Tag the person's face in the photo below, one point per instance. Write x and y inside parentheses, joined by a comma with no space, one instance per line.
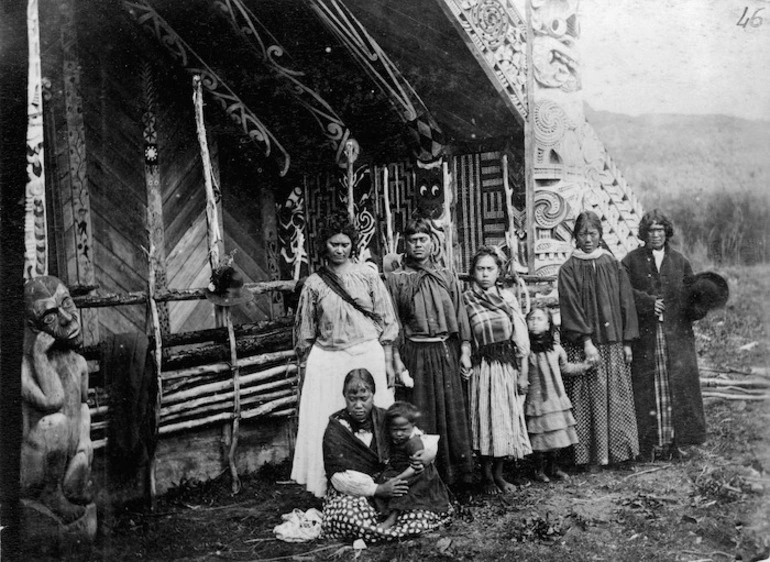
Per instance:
(359,401)
(588,238)
(400,430)
(656,236)
(537,322)
(338,248)
(486,272)
(419,246)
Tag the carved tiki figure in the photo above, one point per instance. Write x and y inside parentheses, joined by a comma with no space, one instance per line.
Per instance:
(56,449)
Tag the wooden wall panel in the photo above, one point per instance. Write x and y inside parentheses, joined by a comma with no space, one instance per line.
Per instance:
(113,131)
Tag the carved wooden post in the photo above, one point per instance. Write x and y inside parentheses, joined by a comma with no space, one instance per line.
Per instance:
(35,224)
(78,209)
(529,149)
(272,251)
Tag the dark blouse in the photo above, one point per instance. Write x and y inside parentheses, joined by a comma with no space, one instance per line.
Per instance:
(596,301)
(428,305)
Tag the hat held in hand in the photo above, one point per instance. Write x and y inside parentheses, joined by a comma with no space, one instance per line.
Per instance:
(707,291)
(226,287)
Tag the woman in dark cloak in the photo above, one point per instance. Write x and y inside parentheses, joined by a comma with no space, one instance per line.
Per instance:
(356,452)
(669,406)
(598,323)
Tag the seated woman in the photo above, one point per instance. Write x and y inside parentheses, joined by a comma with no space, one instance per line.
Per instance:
(355,447)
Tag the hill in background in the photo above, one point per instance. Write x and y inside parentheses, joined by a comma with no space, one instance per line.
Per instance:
(686,153)
(710,173)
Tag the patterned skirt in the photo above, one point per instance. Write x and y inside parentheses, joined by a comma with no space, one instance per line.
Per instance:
(497,412)
(322,396)
(350,517)
(603,405)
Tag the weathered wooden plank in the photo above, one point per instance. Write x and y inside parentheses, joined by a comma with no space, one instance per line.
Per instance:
(124,250)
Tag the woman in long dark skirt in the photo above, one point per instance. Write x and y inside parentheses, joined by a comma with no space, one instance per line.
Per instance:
(434,347)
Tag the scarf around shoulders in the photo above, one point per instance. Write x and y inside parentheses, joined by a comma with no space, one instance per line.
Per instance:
(491,317)
(342,450)
(596,254)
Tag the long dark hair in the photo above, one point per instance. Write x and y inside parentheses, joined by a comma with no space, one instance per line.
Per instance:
(338,223)
(588,218)
(655,216)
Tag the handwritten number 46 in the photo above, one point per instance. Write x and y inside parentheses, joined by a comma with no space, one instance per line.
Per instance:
(754,20)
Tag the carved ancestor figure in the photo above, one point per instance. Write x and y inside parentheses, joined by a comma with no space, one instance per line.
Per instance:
(56,450)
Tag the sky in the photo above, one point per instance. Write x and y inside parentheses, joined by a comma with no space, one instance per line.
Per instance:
(676,56)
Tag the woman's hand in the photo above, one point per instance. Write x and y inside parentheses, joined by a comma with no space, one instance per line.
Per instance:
(592,354)
(660,307)
(392,488)
(629,355)
(391,372)
(466,368)
(523,385)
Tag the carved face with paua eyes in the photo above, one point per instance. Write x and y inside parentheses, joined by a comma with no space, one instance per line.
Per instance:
(429,192)
(49,308)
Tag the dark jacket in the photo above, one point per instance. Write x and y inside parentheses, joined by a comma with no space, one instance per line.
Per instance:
(686,401)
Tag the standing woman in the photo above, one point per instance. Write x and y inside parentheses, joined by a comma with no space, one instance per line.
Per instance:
(344,321)
(499,378)
(669,405)
(435,346)
(598,323)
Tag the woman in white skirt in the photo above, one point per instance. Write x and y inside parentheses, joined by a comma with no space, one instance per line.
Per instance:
(345,321)
(499,377)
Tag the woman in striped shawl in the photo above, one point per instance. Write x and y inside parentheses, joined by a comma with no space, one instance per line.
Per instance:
(499,378)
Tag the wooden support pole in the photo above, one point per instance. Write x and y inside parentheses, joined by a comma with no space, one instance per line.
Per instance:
(215,243)
(448,225)
(390,241)
(529,147)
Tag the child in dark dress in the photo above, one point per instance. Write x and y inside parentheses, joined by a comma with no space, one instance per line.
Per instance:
(426,489)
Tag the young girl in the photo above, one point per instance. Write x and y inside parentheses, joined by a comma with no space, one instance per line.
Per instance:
(426,489)
(499,342)
(598,322)
(548,409)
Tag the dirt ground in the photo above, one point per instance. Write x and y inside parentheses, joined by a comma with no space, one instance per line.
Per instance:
(714,505)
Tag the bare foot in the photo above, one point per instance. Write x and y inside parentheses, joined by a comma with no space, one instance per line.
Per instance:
(541,477)
(389,522)
(558,473)
(504,486)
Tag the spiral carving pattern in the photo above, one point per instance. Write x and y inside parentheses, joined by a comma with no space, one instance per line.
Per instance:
(550,209)
(550,123)
(491,21)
